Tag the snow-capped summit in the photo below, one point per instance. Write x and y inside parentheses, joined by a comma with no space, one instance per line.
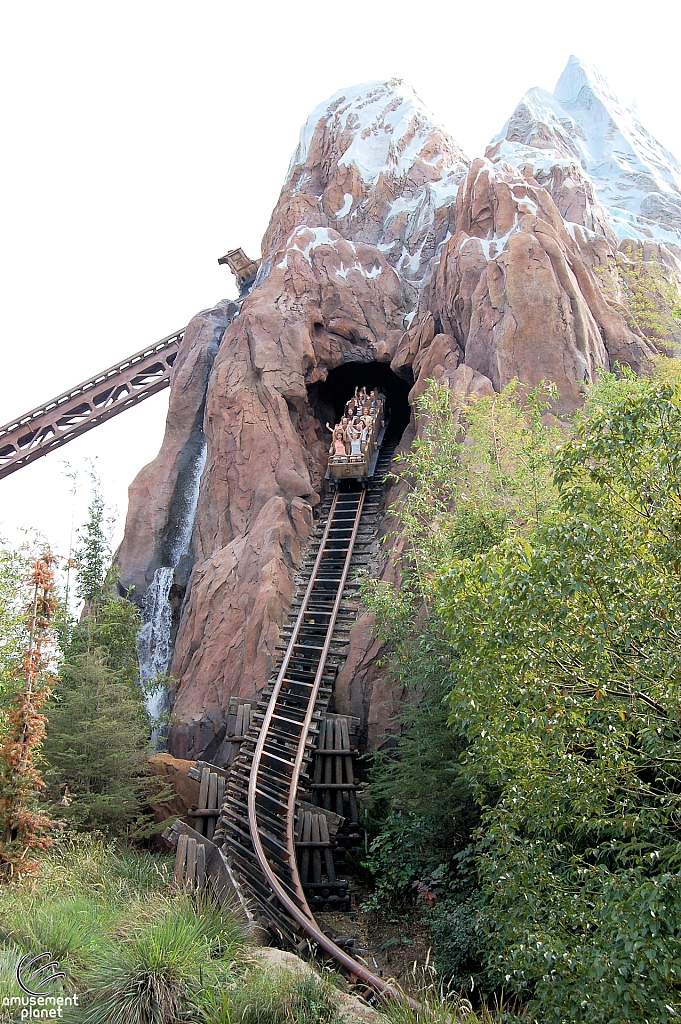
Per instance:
(635,179)
(373,164)
(379,128)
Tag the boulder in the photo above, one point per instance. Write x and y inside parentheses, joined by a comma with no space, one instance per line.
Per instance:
(172,772)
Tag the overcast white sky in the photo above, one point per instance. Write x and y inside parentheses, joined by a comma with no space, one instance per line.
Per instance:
(142,140)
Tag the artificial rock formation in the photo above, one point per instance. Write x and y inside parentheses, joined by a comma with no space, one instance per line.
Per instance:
(386,248)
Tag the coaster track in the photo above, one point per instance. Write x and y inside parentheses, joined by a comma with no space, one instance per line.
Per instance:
(257,829)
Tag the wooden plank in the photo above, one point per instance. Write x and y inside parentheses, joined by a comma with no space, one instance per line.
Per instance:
(221,792)
(316,853)
(180,858)
(211,803)
(190,874)
(328,766)
(318,762)
(212,791)
(350,775)
(328,856)
(203,799)
(200,866)
(305,838)
(339,741)
(203,789)
(344,734)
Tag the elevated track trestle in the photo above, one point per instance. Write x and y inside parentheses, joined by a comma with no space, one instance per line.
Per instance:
(95,400)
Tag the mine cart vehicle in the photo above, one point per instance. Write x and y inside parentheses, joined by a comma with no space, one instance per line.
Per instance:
(359,468)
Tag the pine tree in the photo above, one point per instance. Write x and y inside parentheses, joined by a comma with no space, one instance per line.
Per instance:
(98,737)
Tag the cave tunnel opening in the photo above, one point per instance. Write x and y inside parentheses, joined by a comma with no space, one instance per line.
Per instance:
(328,397)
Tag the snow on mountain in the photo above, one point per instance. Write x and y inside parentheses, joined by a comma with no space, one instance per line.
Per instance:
(373,164)
(379,128)
(584,134)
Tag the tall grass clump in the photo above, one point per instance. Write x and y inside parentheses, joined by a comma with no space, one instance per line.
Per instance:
(134,950)
(438,1005)
(158,964)
(269,995)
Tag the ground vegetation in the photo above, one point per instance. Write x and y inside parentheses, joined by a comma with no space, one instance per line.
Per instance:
(551,649)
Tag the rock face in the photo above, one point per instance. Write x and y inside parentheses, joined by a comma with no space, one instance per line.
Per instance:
(160,496)
(388,258)
(516,295)
(172,775)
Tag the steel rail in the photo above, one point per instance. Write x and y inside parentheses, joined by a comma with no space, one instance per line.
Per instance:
(262,738)
(302,914)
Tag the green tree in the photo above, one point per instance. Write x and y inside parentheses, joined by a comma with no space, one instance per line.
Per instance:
(98,739)
(478,472)
(97,745)
(93,553)
(565,675)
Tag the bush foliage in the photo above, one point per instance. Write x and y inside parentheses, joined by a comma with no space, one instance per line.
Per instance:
(555,643)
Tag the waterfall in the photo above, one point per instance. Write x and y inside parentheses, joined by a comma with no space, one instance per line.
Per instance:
(153,639)
(154,644)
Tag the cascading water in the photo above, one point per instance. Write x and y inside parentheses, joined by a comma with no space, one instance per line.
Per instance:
(154,645)
(153,639)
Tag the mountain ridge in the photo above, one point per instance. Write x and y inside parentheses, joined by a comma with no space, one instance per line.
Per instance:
(635,179)
(388,249)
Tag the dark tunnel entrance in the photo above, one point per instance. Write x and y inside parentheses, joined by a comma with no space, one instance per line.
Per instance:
(328,397)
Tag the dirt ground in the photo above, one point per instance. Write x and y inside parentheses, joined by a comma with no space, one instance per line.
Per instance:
(395,947)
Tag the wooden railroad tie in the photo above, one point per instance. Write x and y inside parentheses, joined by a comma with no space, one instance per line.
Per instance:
(334,783)
(211,796)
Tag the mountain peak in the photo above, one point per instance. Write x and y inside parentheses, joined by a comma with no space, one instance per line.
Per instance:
(372,162)
(581,83)
(382,125)
(636,180)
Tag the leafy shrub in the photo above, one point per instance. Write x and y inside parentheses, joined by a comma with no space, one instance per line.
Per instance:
(459,948)
(401,854)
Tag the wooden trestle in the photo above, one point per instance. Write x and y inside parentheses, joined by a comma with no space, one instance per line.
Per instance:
(290,799)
